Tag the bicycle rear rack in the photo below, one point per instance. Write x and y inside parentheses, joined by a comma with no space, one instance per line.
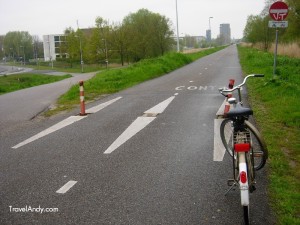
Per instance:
(241,137)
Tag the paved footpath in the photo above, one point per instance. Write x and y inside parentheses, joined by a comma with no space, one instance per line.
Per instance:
(23,105)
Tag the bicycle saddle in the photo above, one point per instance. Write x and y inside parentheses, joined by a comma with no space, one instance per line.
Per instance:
(239,111)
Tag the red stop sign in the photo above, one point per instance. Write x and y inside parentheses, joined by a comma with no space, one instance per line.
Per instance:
(278,11)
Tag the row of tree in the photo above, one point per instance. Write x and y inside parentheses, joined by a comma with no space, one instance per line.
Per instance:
(140,35)
(20,46)
(257,30)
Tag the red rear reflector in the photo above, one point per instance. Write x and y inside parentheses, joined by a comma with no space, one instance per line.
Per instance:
(242,147)
(243,177)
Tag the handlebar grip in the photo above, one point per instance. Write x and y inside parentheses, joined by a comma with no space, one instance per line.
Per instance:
(259,75)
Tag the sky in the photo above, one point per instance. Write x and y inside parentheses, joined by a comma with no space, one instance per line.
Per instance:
(41,17)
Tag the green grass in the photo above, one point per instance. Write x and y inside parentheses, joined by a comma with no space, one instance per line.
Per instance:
(112,81)
(10,83)
(276,105)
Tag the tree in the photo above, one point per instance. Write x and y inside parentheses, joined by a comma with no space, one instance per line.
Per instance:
(72,44)
(38,51)
(18,44)
(2,52)
(141,35)
(149,34)
(257,29)
(99,44)
(120,41)
(293,31)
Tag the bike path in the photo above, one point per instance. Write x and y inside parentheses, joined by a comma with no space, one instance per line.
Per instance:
(163,173)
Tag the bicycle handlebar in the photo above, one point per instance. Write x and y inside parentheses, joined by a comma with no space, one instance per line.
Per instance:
(240,85)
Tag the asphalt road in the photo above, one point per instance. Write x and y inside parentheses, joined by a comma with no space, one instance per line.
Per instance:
(146,158)
(7,70)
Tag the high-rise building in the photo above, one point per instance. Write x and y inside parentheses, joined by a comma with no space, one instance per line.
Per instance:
(208,35)
(225,33)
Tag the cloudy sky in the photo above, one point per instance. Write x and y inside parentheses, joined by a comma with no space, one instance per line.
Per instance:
(41,17)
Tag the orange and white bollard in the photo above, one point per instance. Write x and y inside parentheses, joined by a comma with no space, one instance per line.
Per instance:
(229,95)
(82,104)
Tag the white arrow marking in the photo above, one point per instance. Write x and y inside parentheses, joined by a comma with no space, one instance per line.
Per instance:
(160,107)
(58,126)
(139,124)
(101,106)
(70,120)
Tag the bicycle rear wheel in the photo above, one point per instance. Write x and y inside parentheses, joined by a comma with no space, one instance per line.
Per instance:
(226,132)
(246,215)
(259,149)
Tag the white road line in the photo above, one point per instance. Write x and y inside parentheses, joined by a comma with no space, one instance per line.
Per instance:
(70,120)
(159,108)
(221,109)
(219,149)
(101,106)
(66,187)
(139,124)
(58,126)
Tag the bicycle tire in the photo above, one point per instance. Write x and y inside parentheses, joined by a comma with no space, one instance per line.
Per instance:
(246,215)
(259,149)
(226,131)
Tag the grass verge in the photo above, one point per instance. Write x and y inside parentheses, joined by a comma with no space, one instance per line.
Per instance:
(112,81)
(276,105)
(10,83)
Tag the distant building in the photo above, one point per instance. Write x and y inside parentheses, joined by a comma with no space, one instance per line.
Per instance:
(190,41)
(208,35)
(54,47)
(225,33)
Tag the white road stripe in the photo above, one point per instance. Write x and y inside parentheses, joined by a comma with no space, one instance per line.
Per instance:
(160,107)
(70,120)
(66,187)
(101,106)
(221,109)
(58,126)
(139,124)
(219,149)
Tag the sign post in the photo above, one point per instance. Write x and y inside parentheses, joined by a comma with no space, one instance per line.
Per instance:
(278,12)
